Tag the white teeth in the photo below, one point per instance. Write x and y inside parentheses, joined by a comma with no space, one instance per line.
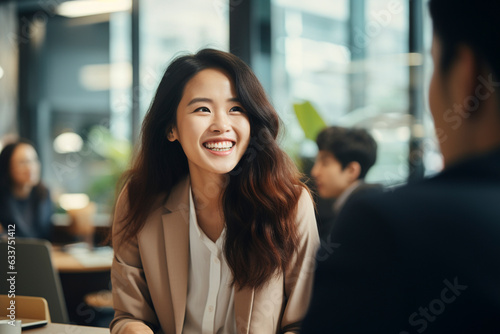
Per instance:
(219,146)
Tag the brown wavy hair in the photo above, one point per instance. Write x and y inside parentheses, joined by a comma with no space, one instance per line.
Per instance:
(260,199)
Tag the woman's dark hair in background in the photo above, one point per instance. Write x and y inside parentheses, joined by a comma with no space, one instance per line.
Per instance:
(454,23)
(5,175)
(260,200)
(348,145)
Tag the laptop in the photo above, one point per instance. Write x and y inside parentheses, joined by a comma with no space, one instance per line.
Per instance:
(28,323)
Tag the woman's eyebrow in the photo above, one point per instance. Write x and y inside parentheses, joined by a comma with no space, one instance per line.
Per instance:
(206,99)
(199,99)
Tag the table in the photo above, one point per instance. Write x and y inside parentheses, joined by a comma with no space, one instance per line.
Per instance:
(82,272)
(81,262)
(53,328)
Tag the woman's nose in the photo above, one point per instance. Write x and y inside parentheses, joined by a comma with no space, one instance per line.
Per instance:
(220,123)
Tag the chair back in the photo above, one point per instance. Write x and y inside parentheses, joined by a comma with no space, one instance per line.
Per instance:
(33,275)
(27,307)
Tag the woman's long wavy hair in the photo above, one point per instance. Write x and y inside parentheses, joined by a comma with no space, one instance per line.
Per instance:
(260,200)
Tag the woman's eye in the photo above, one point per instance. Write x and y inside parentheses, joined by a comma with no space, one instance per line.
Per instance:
(237,109)
(203,109)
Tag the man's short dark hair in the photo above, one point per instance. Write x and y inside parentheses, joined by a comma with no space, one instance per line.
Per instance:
(474,23)
(348,145)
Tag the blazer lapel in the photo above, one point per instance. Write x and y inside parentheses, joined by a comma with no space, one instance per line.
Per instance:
(176,233)
(243,304)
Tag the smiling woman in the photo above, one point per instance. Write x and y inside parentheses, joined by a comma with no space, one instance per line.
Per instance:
(214,232)
(211,124)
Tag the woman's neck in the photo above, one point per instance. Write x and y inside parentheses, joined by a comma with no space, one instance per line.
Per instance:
(21,191)
(207,195)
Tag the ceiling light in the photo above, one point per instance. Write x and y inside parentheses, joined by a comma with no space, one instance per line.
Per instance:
(68,142)
(73,201)
(92,7)
(1,72)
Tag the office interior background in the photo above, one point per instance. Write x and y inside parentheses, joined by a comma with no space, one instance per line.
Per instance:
(77,77)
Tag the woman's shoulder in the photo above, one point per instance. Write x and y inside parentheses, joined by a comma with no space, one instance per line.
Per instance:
(305,199)
(307,227)
(160,200)
(126,196)
(305,214)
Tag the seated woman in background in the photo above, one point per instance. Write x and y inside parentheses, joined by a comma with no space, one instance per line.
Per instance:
(24,200)
(213,232)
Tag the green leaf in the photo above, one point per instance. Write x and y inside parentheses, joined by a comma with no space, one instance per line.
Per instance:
(309,119)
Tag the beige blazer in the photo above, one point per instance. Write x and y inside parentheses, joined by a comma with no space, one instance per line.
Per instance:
(150,275)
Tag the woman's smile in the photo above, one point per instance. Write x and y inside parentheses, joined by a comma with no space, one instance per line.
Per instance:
(220,147)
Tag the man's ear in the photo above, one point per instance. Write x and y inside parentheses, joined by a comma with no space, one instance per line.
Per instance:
(463,75)
(353,170)
(172,134)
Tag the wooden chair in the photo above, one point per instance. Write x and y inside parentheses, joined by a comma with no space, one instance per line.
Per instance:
(27,307)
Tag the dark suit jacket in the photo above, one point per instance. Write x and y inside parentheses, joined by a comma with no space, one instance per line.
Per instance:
(424,258)
(40,224)
(325,224)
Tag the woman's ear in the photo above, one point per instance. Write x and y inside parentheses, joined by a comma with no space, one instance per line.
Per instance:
(172,134)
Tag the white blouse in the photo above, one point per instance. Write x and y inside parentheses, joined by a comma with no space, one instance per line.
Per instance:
(210,299)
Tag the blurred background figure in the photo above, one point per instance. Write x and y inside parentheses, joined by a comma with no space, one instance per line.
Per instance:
(24,200)
(345,156)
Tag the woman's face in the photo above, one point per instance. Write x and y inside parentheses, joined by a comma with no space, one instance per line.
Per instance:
(24,166)
(212,126)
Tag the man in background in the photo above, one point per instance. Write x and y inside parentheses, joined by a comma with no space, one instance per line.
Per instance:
(345,156)
(424,258)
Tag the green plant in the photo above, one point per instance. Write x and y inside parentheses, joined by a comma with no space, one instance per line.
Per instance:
(113,156)
(311,124)
(309,119)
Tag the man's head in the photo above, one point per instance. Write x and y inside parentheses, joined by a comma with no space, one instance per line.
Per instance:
(465,87)
(345,156)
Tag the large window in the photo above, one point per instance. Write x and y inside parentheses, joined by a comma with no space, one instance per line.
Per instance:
(351,60)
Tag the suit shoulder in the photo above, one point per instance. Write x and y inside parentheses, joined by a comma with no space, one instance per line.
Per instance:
(305,213)
(122,206)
